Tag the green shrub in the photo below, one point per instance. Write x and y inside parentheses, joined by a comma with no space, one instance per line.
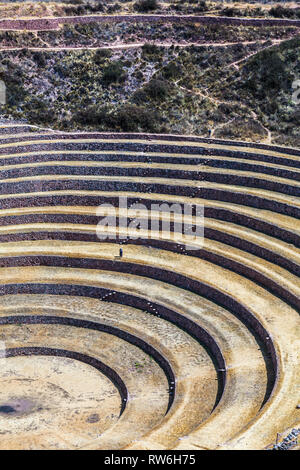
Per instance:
(92,115)
(150,49)
(40,112)
(146,5)
(101,55)
(172,70)
(114,8)
(13,77)
(132,118)
(230,11)
(269,71)
(39,58)
(157,89)
(140,97)
(279,11)
(114,73)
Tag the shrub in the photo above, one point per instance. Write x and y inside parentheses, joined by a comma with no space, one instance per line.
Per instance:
(150,49)
(39,58)
(132,118)
(146,5)
(40,112)
(76,10)
(229,11)
(269,71)
(114,8)
(279,11)
(114,73)
(140,97)
(74,2)
(101,55)
(172,70)
(93,115)
(157,89)
(13,77)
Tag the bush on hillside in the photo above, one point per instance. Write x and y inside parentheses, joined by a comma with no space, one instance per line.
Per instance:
(101,55)
(172,70)
(114,73)
(145,6)
(132,118)
(157,89)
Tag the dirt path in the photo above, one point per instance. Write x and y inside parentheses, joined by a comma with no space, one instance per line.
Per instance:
(244,59)
(130,45)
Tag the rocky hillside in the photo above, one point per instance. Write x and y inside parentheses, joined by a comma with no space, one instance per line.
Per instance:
(242,91)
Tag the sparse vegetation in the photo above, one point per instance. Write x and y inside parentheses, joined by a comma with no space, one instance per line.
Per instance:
(115,7)
(155,88)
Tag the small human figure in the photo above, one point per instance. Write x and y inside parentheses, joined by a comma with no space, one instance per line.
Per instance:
(209,132)
(121,252)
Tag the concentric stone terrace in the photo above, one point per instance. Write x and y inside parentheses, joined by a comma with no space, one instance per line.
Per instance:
(157,346)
